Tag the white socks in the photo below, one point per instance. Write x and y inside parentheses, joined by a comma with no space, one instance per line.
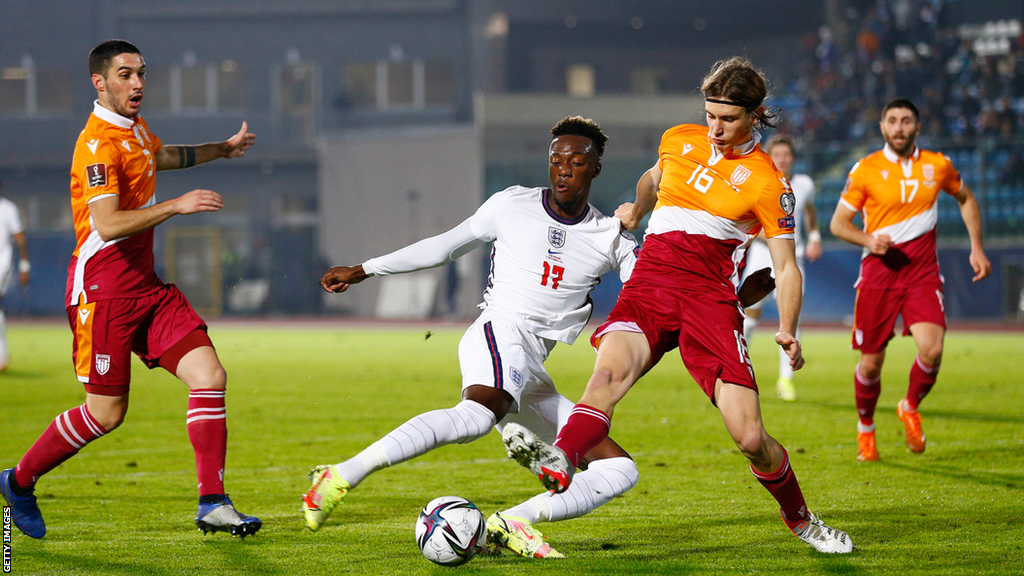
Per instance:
(464,423)
(602,481)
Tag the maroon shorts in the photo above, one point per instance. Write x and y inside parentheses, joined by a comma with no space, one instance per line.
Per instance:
(108,331)
(707,330)
(874,314)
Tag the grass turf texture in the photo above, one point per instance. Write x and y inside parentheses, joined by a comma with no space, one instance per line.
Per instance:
(125,504)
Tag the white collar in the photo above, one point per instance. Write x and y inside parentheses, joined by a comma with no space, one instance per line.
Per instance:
(741,150)
(111,117)
(893,157)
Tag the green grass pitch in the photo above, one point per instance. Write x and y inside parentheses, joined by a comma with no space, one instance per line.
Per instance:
(300,397)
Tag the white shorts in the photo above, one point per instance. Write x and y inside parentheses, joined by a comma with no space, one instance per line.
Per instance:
(497,352)
(759,258)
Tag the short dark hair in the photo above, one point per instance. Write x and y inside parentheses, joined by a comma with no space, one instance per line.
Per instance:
(902,103)
(780,140)
(100,57)
(580,126)
(737,81)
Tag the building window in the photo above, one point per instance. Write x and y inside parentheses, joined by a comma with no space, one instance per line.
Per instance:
(648,81)
(390,85)
(53,91)
(14,89)
(193,88)
(158,88)
(297,85)
(439,83)
(360,81)
(232,91)
(400,84)
(579,80)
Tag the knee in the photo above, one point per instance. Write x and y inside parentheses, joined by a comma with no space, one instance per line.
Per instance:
(752,445)
(931,354)
(870,368)
(109,417)
(215,378)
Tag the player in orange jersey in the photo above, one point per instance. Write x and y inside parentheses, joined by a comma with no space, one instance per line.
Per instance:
(896,190)
(712,191)
(117,305)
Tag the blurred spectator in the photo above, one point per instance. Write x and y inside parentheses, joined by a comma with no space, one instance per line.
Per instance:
(901,50)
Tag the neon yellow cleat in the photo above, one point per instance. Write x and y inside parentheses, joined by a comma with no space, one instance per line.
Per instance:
(519,536)
(327,490)
(785,389)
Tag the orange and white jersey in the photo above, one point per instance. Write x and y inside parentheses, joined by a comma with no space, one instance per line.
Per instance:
(899,197)
(114,157)
(723,196)
(711,205)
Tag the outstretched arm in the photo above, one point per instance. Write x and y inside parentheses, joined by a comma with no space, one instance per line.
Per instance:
(177,157)
(112,223)
(971,214)
(427,253)
(631,213)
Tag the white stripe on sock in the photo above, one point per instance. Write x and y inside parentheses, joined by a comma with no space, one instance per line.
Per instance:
(60,428)
(209,417)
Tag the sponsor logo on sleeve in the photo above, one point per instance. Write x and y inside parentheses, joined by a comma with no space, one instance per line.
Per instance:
(787,222)
(96,174)
(846,186)
(788,202)
(556,237)
(686,149)
(126,145)
(92,144)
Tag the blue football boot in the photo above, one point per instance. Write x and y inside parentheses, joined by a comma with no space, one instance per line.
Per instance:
(222,517)
(24,509)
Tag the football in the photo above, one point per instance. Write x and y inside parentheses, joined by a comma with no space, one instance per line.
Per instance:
(451,530)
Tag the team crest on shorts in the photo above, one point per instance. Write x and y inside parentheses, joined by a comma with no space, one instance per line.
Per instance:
(739,175)
(516,376)
(102,363)
(556,237)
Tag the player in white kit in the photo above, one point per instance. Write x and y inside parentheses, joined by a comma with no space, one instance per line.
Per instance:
(550,249)
(783,153)
(10,227)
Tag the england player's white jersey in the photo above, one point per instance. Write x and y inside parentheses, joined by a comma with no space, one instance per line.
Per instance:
(542,267)
(803,189)
(10,224)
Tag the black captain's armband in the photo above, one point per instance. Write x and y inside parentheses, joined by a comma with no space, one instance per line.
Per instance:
(186,157)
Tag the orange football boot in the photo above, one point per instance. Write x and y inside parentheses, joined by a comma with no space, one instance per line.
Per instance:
(866,449)
(912,424)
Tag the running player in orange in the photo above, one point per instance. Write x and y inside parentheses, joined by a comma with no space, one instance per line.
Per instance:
(117,305)
(712,191)
(896,190)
